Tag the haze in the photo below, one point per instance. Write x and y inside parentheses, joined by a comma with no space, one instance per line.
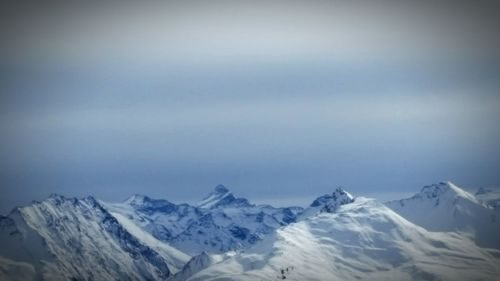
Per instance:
(280,102)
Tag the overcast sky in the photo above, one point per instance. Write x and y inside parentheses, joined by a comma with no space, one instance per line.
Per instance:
(280,101)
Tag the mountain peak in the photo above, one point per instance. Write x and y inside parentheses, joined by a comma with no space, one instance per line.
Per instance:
(436,189)
(221,196)
(220,189)
(193,266)
(444,188)
(56,196)
(137,199)
(330,202)
(58,199)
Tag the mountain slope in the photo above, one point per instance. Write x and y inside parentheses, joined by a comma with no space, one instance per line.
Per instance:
(221,222)
(174,258)
(16,271)
(231,223)
(197,264)
(362,240)
(163,219)
(328,203)
(67,238)
(446,207)
(489,197)
(453,235)
(222,197)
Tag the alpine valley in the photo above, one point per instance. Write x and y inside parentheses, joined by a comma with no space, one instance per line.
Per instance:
(441,233)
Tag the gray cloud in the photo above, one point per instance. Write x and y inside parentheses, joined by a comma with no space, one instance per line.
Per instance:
(275,100)
(196,31)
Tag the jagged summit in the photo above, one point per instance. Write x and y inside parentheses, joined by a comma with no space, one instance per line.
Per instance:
(150,206)
(58,199)
(220,189)
(56,196)
(137,199)
(444,189)
(65,238)
(330,202)
(221,196)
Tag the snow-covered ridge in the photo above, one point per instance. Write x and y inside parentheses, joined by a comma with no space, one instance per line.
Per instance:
(445,189)
(222,197)
(330,202)
(443,232)
(69,238)
(361,240)
(219,223)
(137,199)
(447,207)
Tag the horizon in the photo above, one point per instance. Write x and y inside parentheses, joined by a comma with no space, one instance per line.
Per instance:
(300,201)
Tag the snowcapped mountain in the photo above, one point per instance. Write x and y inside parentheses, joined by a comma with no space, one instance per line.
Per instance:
(78,239)
(441,233)
(194,265)
(328,203)
(359,240)
(163,219)
(446,207)
(198,263)
(219,223)
(222,197)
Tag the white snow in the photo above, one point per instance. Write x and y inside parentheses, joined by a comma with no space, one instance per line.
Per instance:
(175,258)
(64,238)
(446,207)
(441,233)
(328,203)
(16,271)
(363,240)
(220,192)
(222,223)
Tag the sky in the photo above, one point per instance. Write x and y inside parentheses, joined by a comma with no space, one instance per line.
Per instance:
(281,101)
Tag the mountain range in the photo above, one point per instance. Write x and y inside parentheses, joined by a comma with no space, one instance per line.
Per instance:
(441,233)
